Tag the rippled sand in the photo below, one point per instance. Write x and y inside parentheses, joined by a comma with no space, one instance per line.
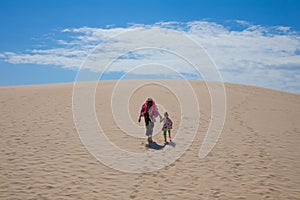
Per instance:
(256,157)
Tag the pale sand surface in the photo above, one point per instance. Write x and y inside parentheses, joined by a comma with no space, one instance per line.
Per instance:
(256,157)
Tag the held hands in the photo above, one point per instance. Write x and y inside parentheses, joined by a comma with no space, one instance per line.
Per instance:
(160,118)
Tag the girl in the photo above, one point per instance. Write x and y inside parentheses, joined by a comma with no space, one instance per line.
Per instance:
(167,126)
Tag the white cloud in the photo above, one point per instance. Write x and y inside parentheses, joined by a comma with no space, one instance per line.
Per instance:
(43,59)
(250,54)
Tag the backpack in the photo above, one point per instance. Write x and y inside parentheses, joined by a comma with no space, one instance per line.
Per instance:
(148,107)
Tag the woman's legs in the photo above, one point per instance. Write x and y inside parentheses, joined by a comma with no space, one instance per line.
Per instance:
(149,131)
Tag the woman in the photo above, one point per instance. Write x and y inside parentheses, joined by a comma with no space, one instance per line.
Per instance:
(149,111)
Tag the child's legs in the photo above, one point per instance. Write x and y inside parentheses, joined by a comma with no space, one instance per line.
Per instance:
(165,134)
(169,133)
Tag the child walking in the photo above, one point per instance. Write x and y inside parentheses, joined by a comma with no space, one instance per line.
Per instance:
(167,126)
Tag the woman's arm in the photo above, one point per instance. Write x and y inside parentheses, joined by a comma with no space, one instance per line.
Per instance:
(142,112)
(139,120)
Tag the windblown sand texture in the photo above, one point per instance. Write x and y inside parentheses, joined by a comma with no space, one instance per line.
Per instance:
(256,157)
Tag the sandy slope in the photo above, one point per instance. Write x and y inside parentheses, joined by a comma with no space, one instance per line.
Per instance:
(256,157)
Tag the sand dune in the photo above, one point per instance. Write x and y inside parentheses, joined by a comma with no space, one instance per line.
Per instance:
(256,157)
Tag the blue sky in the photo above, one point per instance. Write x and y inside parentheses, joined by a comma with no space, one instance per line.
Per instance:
(27,27)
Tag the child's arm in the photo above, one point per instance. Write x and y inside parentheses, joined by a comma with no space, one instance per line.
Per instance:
(161,119)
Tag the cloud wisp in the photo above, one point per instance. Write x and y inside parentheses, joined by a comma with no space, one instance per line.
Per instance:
(244,53)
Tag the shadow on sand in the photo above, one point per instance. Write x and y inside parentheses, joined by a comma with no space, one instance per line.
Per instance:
(172,144)
(154,145)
